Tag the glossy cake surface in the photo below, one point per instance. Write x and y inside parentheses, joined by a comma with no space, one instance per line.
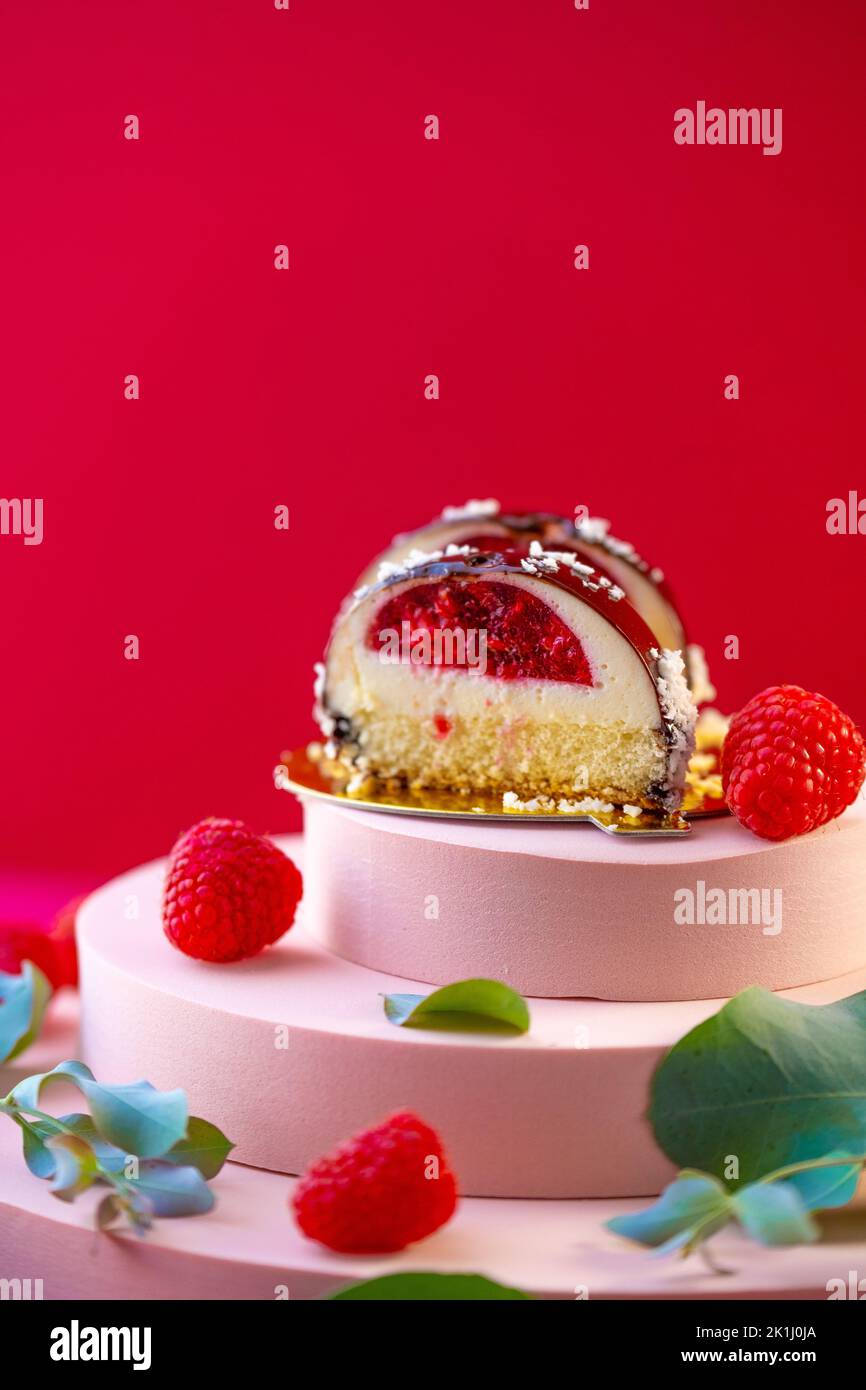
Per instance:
(528,676)
(485,526)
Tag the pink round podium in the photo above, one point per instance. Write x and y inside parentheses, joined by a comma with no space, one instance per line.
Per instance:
(563,911)
(249,1247)
(291,1052)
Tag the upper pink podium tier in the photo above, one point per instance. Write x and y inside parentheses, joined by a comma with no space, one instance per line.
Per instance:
(567,911)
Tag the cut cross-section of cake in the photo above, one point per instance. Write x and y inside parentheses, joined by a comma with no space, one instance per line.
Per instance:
(529,676)
(484,525)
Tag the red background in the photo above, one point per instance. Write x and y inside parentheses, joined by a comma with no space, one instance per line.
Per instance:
(305,387)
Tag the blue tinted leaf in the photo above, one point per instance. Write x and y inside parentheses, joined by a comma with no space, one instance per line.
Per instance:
(774,1214)
(23,999)
(135,1117)
(37,1155)
(694,1201)
(821,1188)
(173,1191)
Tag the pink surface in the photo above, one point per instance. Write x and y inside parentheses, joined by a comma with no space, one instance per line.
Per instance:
(290,1053)
(248,1247)
(305,388)
(568,911)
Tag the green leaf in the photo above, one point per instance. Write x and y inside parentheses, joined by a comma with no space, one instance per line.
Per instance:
(430,1287)
(768,1080)
(204,1146)
(136,1117)
(75,1167)
(171,1190)
(466,1006)
(23,999)
(774,1214)
(690,1209)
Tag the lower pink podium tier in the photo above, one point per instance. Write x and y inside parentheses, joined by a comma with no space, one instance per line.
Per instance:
(567,911)
(290,1052)
(248,1246)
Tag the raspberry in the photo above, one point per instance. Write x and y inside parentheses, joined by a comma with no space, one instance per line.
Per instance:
(228,893)
(380,1191)
(51,948)
(791,761)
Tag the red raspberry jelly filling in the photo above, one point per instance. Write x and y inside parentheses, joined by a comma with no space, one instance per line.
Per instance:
(523,638)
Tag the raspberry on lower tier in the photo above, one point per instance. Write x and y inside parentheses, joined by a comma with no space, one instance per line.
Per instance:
(380,1191)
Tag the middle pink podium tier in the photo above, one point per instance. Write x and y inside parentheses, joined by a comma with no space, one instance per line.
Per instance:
(291,1052)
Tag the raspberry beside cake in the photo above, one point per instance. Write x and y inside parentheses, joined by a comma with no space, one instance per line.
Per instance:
(531,675)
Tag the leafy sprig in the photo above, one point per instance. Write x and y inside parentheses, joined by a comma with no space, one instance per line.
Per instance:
(140,1143)
(780,1086)
(773,1210)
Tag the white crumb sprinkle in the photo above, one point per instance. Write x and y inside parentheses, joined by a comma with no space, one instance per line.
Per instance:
(543,561)
(676,699)
(615,593)
(359,784)
(541,564)
(324,720)
(632,810)
(593,529)
(570,560)
(586,805)
(512,802)
(488,506)
(679,712)
(391,569)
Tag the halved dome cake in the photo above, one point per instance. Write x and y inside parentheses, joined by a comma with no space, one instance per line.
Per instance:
(485,526)
(529,676)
